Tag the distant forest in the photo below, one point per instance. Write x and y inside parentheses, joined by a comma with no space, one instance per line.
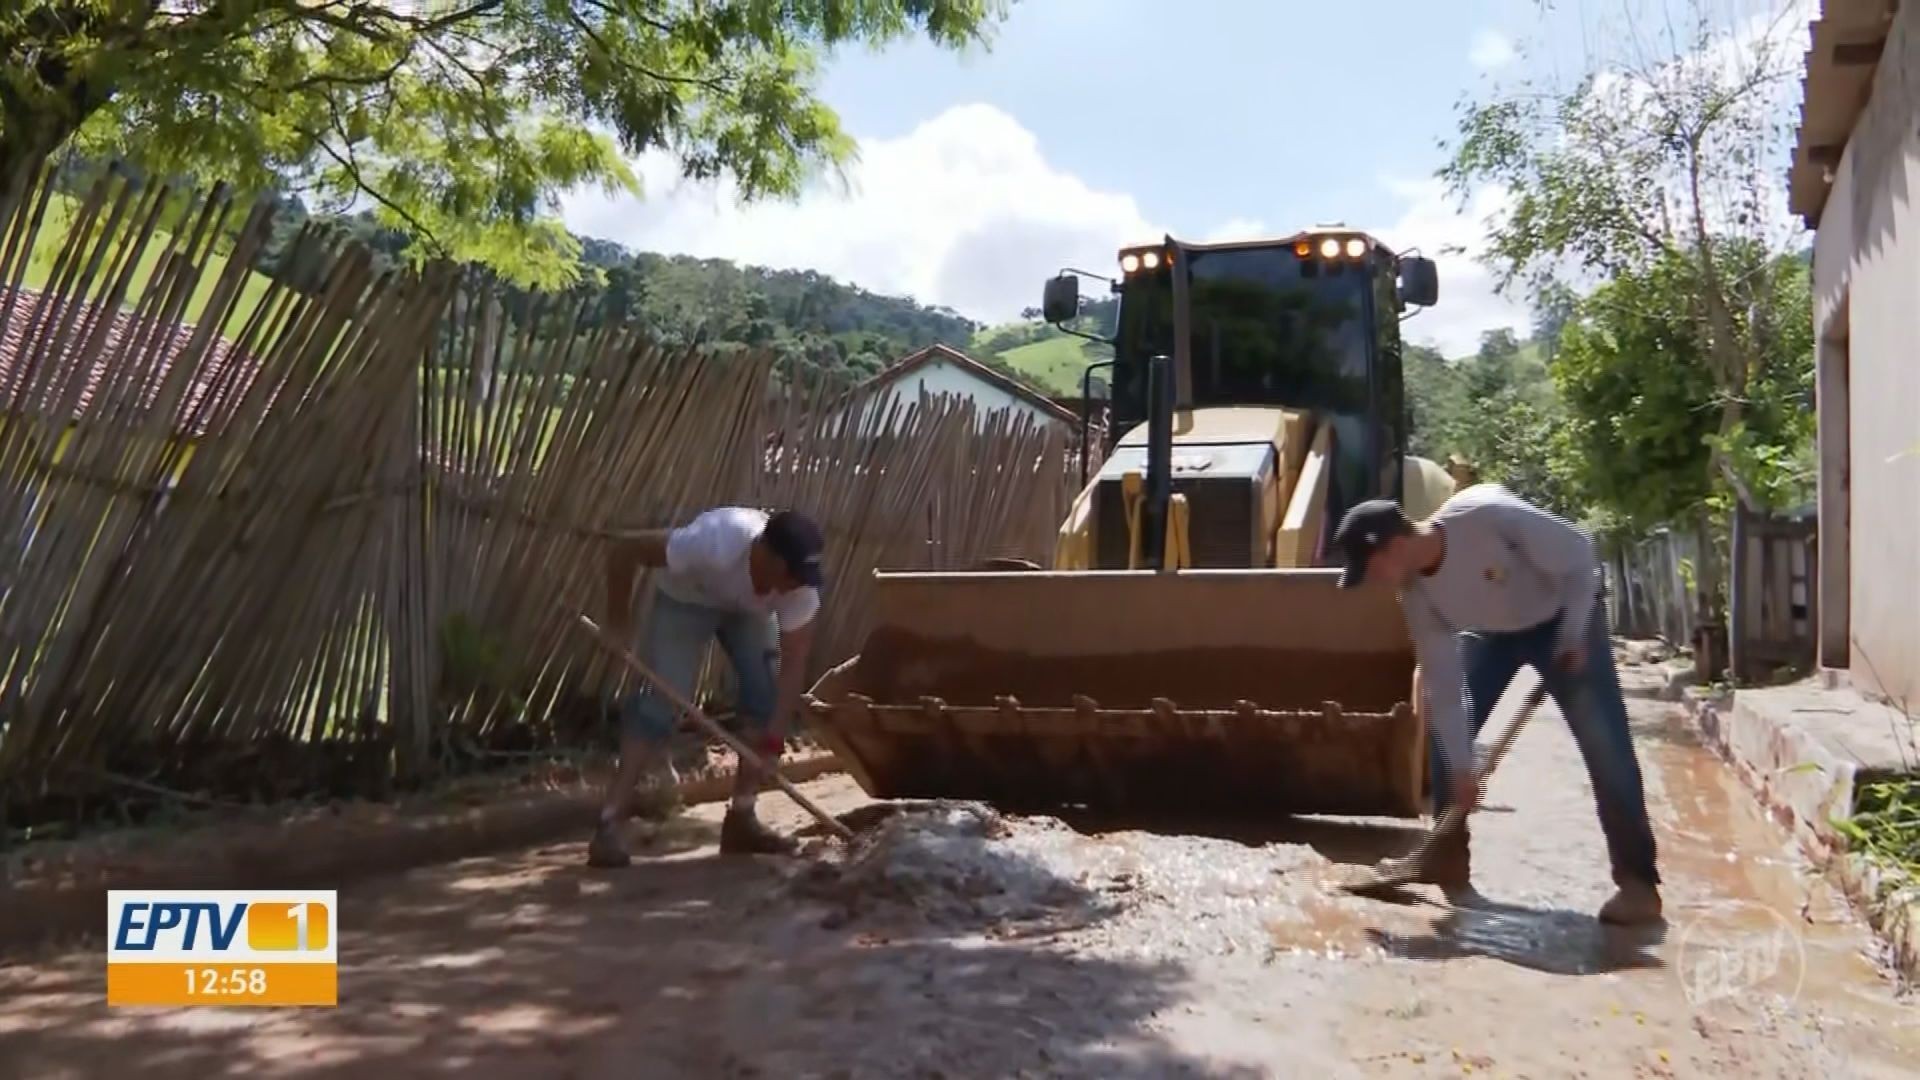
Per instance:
(829,328)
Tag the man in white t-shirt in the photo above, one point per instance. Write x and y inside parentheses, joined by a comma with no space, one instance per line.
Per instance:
(750,580)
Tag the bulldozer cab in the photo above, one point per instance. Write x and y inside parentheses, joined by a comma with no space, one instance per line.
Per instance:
(1308,322)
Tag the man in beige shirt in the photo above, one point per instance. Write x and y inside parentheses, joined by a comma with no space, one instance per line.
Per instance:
(1488,583)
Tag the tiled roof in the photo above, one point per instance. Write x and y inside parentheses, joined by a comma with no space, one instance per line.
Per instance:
(1846,41)
(37,357)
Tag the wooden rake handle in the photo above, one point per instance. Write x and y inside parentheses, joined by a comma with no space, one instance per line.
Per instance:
(745,753)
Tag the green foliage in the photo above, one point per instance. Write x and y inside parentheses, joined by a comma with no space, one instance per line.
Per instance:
(1639,388)
(824,325)
(1772,446)
(1637,391)
(458,122)
(1886,823)
(1498,410)
(1436,402)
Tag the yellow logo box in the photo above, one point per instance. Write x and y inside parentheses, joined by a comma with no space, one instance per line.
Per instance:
(222,947)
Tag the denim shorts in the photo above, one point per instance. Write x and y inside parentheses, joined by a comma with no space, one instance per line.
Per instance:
(673,645)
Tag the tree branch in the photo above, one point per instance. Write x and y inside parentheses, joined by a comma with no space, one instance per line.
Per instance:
(350,161)
(719,85)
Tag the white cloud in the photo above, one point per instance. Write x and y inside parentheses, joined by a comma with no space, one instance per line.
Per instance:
(1454,239)
(964,211)
(1492,50)
(1239,228)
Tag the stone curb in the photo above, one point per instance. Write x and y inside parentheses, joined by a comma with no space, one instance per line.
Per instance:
(1805,785)
(1668,681)
(325,850)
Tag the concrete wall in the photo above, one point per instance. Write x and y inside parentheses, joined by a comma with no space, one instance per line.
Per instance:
(937,377)
(1866,269)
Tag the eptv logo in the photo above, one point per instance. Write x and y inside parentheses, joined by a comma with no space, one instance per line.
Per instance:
(222,947)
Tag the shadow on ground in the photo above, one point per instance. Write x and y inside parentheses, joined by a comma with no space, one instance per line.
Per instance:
(685,964)
(1554,941)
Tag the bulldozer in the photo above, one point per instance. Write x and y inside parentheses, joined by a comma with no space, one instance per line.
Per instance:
(1189,647)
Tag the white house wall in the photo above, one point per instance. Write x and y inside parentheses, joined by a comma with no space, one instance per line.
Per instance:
(1866,272)
(942,377)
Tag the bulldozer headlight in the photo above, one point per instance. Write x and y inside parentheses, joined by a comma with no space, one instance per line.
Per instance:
(1356,247)
(1330,248)
(1129,263)
(1149,259)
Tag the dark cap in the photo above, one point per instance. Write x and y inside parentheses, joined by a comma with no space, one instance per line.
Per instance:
(796,539)
(1361,533)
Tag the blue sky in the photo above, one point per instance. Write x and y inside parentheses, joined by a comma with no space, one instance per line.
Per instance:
(1211,110)
(1089,124)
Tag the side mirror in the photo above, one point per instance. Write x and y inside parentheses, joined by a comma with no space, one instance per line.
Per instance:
(1419,281)
(1060,302)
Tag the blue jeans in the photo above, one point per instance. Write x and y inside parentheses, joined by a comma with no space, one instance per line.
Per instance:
(675,642)
(1596,714)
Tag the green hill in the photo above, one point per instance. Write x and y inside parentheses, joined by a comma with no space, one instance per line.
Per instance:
(1042,355)
(829,327)
(1054,365)
(52,237)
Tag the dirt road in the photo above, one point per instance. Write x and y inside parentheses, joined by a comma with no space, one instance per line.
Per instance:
(1114,949)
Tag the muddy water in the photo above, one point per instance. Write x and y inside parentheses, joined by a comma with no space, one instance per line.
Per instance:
(1761,969)
(956,946)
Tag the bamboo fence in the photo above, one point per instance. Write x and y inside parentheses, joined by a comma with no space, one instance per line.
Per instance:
(344,536)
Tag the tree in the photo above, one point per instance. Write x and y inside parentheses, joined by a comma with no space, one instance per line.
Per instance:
(1658,163)
(1436,402)
(1635,384)
(1553,308)
(1515,440)
(458,121)
(1498,409)
(1638,391)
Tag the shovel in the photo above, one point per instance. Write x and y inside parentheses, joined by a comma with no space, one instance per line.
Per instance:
(746,755)
(1373,880)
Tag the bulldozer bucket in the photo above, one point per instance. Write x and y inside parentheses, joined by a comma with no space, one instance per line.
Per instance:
(1254,690)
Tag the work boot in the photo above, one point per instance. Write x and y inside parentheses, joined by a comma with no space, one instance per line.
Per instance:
(741,833)
(1634,903)
(606,851)
(1448,863)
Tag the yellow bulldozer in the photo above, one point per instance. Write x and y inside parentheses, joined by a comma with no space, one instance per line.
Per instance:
(1189,647)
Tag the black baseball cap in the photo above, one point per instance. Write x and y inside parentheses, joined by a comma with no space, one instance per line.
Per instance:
(1362,531)
(797,540)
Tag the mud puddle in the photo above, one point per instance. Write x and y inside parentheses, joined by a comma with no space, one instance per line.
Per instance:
(1751,916)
